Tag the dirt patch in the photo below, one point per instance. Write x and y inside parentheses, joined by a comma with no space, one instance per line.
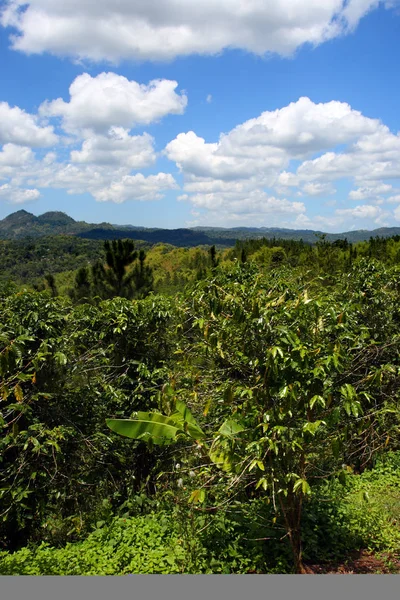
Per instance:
(357,563)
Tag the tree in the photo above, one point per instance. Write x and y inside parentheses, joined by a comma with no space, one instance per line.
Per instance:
(213,258)
(51,282)
(142,277)
(81,292)
(114,278)
(305,389)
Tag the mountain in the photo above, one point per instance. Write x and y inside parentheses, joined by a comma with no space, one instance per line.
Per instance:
(55,219)
(15,224)
(175,237)
(22,224)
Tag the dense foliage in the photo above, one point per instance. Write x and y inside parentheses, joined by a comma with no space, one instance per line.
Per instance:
(287,356)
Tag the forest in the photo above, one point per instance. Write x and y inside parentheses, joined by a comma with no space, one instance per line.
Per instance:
(205,409)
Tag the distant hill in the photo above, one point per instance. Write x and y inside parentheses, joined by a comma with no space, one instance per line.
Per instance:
(175,237)
(23,224)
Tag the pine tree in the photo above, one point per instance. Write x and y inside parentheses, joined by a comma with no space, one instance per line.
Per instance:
(142,277)
(51,282)
(113,279)
(82,290)
(213,258)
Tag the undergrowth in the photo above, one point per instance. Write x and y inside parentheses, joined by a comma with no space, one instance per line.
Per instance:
(361,512)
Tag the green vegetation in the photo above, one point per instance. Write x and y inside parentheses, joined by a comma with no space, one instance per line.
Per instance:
(112,278)
(340,518)
(22,224)
(200,410)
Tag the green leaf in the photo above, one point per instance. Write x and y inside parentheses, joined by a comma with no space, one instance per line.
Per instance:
(147,426)
(60,358)
(223,457)
(312,427)
(197,496)
(230,428)
(303,484)
(184,417)
(317,400)
(18,393)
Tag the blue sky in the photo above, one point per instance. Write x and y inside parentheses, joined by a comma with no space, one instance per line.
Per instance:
(174,113)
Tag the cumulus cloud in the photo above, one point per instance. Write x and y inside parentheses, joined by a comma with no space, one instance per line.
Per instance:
(258,207)
(252,163)
(372,191)
(165,29)
(103,182)
(262,172)
(117,148)
(304,127)
(267,143)
(19,127)
(105,156)
(137,187)
(364,211)
(318,189)
(12,155)
(15,195)
(111,100)
(14,160)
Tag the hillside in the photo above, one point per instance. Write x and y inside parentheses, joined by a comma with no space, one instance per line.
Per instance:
(22,224)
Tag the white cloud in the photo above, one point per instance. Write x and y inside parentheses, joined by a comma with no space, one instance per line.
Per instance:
(117,148)
(251,162)
(111,100)
(209,99)
(103,182)
(164,29)
(224,160)
(364,211)
(330,223)
(12,155)
(13,160)
(267,143)
(15,195)
(318,189)
(104,156)
(396,213)
(19,127)
(137,187)
(255,174)
(257,209)
(370,192)
(304,127)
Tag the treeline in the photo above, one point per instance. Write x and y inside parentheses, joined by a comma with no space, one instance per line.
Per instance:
(27,261)
(31,262)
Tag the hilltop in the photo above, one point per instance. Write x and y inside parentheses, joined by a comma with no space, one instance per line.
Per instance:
(22,224)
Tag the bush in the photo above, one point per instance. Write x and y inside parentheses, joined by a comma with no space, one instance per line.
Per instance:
(362,513)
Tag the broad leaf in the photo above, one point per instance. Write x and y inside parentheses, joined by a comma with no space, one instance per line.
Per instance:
(230,428)
(184,418)
(159,428)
